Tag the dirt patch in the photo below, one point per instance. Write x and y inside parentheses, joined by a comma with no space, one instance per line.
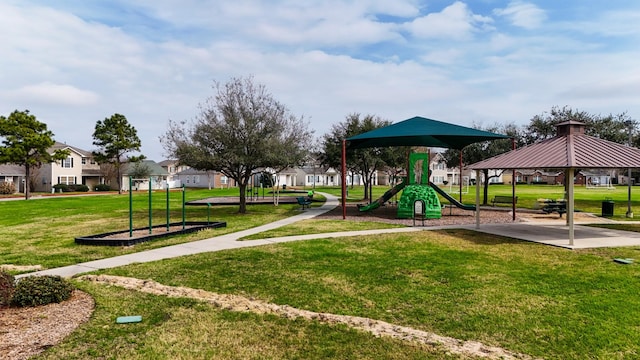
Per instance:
(375,327)
(11,267)
(28,331)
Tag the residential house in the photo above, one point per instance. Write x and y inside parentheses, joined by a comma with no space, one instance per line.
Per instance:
(157,178)
(14,174)
(193,178)
(173,168)
(538,176)
(78,168)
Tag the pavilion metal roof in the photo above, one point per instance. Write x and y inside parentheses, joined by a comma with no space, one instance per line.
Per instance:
(571,150)
(420,131)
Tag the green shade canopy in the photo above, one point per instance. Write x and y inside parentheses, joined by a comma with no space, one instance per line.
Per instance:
(419,131)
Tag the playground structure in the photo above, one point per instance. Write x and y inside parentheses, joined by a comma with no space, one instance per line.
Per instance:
(119,238)
(417,187)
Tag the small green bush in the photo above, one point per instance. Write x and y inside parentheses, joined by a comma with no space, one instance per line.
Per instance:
(41,290)
(103,187)
(7,188)
(7,287)
(63,187)
(78,187)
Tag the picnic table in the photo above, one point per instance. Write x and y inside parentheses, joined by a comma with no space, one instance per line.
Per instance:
(551,206)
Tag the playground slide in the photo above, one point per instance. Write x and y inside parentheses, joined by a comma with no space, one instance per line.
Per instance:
(451,199)
(384,198)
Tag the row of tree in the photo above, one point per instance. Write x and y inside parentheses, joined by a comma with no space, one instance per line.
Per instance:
(243,130)
(28,143)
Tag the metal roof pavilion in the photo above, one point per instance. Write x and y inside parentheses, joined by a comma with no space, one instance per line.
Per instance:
(420,131)
(570,149)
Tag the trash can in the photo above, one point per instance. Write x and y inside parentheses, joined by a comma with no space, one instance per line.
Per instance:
(284,187)
(607,208)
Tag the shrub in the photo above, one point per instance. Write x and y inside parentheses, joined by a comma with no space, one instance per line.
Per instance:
(78,187)
(7,286)
(103,187)
(41,290)
(63,187)
(7,188)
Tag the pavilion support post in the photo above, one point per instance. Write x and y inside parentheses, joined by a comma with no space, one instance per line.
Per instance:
(477,199)
(513,185)
(344,179)
(570,200)
(460,176)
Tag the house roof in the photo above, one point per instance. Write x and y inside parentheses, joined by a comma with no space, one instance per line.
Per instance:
(167,162)
(11,170)
(153,166)
(192,171)
(60,146)
(419,131)
(571,148)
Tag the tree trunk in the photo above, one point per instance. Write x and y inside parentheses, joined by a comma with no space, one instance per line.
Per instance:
(485,194)
(27,173)
(119,178)
(242,186)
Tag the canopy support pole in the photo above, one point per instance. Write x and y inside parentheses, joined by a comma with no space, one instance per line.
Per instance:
(344,179)
(569,179)
(477,199)
(513,185)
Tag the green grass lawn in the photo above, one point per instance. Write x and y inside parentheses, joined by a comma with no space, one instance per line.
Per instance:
(42,232)
(528,298)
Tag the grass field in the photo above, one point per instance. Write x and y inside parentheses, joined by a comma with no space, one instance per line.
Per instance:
(537,300)
(532,299)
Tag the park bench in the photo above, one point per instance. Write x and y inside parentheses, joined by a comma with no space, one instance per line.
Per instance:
(303,201)
(502,199)
(555,206)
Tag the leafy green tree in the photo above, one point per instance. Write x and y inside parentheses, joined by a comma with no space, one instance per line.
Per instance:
(364,162)
(115,137)
(139,170)
(484,150)
(26,142)
(610,127)
(241,130)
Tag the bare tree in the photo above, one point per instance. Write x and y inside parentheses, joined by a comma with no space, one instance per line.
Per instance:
(241,129)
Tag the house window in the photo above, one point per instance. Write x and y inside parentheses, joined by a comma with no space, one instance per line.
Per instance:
(67,163)
(92,162)
(188,179)
(67,180)
(196,179)
(438,179)
(310,179)
(84,161)
(224,180)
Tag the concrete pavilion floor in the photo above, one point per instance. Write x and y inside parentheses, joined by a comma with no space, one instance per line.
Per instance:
(556,233)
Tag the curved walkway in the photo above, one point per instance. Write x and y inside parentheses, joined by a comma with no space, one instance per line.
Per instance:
(222,242)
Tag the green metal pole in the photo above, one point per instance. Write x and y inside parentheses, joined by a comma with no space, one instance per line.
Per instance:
(167,206)
(150,222)
(183,211)
(130,209)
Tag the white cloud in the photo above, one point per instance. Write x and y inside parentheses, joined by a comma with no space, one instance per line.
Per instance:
(53,94)
(323,59)
(523,14)
(455,22)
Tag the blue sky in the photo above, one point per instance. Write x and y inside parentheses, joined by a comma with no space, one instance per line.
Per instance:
(479,62)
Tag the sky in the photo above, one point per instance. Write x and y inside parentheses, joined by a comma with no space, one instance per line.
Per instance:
(471,63)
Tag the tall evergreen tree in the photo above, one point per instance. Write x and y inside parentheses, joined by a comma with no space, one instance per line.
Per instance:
(26,142)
